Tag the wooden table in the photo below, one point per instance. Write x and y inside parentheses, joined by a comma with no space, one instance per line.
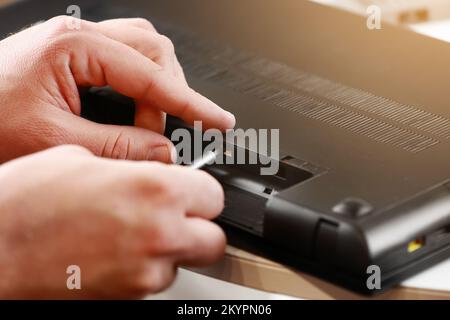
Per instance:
(249,270)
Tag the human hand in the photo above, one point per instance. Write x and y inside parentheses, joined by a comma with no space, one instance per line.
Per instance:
(127,225)
(43,68)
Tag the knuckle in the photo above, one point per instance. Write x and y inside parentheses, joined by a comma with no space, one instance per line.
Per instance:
(143,23)
(59,25)
(153,184)
(118,147)
(163,179)
(61,33)
(61,40)
(169,192)
(166,43)
(165,239)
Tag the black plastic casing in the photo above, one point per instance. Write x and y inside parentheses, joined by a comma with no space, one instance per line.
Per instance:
(365,113)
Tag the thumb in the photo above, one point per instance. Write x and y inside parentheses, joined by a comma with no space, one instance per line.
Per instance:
(121,142)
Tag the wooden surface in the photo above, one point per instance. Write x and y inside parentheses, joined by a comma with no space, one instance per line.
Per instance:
(243,268)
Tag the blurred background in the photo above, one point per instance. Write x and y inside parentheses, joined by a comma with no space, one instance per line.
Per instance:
(429,17)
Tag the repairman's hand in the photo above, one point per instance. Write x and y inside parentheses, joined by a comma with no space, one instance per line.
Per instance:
(126,225)
(43,68)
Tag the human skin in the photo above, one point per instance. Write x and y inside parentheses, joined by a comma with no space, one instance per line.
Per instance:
(127,224)
(43,68)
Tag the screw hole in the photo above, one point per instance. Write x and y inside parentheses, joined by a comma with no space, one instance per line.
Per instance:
(353,207)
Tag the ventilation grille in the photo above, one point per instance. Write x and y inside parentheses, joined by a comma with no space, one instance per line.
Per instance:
(308,95)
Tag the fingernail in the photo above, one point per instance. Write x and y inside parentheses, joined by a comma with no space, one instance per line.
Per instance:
(173,155)
(231,119)
(163,154)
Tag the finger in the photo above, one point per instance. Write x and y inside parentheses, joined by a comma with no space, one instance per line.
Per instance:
(150,118)
(186,191)
(146,116)
(118,142)
(148,26)
(151,44)
(204,243)
(142,36)
(136,22)
(132,74)
(180,70)
(157,275)
(198,193)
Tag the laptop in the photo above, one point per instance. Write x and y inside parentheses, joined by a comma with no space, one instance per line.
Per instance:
(364,119)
